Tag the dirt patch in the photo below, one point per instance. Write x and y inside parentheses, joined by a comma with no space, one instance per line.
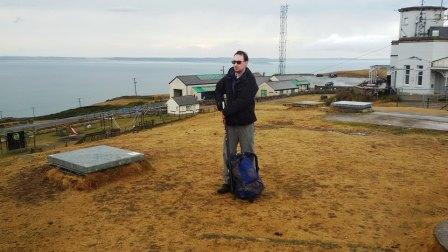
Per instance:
(297,185)
(276,124)
(94,180)
(31,186)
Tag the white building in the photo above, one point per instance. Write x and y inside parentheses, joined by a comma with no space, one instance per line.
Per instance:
(419,58)
(200,86)
(182,105)
(273,88)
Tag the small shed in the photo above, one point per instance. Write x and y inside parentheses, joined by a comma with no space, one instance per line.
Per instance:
(273,88)
(182,105)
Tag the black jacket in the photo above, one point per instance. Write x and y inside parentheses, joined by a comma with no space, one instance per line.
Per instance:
(240,94)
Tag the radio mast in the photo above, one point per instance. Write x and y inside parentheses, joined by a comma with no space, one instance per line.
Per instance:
(283,36)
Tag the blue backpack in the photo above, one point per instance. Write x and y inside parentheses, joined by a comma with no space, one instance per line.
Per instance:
(245,181)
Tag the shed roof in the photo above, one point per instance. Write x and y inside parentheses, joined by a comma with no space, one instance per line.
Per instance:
(203,89)
(185,100)
(261,79)
(282,85)
(203,79)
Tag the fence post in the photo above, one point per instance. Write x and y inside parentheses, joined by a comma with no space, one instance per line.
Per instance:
(34,138)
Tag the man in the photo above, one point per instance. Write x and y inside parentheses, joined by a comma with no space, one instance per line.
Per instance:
(240,88)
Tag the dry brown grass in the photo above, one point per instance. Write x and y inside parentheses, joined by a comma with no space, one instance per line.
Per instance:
(125,101)
(330,186)
(364,73)
(94,180)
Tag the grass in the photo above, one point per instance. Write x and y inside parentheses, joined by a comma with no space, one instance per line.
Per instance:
(364,73)
(327,188)
(112,104)
(52,139)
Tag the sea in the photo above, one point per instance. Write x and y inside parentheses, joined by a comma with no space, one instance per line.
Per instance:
(46,85)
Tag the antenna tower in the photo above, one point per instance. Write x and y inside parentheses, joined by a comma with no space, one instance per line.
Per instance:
(283,35)
(421,23)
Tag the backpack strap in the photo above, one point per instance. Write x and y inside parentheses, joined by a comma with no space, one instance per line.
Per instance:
(255,159)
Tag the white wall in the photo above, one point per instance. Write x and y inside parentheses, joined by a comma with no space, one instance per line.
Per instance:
(174,109)
(428,52)
(407,28)
(265,86)
(177,84)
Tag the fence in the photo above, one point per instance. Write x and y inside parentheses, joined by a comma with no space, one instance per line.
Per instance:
(93,130)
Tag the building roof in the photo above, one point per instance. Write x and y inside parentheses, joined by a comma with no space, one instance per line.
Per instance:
(282,85)
(422,39)
(440,64)
(203,89)
(262,79)
(203,79)
(420,8)
(185,100)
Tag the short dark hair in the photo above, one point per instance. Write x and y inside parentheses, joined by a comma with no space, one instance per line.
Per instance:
(242,53)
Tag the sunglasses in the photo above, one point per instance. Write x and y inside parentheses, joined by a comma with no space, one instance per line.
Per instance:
(237,62)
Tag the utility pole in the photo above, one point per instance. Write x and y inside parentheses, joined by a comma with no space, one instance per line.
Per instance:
(135,86)
(1,115)
(79,101)
(222,70)
(34,115)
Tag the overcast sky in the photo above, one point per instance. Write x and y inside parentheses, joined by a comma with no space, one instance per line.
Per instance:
(197,28)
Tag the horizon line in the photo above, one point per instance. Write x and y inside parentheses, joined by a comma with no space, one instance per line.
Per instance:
(177,57)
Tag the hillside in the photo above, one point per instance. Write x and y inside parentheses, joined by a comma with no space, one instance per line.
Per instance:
(329,186)
(360,73)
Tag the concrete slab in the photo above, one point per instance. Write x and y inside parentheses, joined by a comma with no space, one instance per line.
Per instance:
(94,159)
(395,119)
(441,233)
(352,105)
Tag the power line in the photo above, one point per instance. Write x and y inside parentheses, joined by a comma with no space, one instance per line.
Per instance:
(351,59)
(79,101)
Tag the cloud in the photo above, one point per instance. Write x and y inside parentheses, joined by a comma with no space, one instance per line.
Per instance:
(141,28)
(124,9)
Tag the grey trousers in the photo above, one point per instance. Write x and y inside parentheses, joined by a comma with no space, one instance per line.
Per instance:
(244,135)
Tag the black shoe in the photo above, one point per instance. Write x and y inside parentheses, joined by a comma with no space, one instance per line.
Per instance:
(225,188)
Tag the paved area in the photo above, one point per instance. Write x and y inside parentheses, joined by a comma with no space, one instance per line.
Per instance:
(395,119)
(441,233)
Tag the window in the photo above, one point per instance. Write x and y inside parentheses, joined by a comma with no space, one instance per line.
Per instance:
(435,33)
(407,74)
(405,21)
(420,75)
